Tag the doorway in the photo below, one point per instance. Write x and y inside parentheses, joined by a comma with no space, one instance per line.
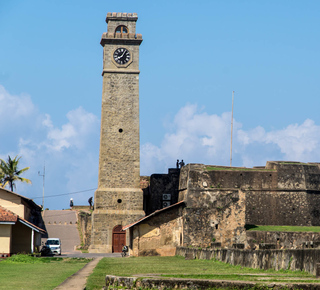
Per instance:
(118,239)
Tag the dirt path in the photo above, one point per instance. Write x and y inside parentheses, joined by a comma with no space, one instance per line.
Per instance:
(78,280)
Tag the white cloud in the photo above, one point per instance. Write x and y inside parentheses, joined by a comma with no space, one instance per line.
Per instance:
(198,137)
(70,152)
(15,107)
(295,142)
(72,134)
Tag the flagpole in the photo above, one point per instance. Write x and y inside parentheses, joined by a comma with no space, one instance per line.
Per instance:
(231,130)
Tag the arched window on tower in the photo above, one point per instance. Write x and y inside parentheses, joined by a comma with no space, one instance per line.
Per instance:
(122,30)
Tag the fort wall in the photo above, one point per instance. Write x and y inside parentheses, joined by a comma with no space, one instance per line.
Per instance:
(295,208)
(295,260)
(284,240)
(280,193)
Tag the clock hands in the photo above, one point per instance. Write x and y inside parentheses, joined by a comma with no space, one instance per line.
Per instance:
(121,56)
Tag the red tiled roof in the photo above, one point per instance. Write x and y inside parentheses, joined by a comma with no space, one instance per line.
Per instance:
(7,215)
(152,214)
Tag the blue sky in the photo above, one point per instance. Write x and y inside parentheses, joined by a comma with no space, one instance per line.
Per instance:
(193,55)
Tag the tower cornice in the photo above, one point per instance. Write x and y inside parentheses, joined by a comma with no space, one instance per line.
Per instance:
(119,71)
(110,38)
(121,16)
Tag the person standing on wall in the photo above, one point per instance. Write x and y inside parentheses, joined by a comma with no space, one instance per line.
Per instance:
(90,201)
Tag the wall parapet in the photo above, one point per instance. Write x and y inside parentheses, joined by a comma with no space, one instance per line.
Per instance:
(115,282)
(286,259)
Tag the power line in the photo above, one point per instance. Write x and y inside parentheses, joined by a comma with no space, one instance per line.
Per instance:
(64,193)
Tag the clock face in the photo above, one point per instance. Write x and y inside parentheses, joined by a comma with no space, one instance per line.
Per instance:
(121,55)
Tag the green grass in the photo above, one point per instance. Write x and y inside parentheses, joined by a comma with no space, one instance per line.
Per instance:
(178,267)
(282,228)
(214,168)
(26,272)
(297,163)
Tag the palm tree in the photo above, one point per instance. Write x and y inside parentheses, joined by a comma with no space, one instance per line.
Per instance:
(9,171)
(2,183)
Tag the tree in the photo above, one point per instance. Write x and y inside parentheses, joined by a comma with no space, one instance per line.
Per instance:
(2,183)
(10,172)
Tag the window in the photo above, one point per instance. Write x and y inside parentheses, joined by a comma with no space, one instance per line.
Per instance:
(122,29)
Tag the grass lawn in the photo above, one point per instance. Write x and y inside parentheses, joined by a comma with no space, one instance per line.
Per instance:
(282,228)
(26,272)
(178,267)
(221,168)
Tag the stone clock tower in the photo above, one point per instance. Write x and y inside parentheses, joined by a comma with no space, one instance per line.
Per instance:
(118,200)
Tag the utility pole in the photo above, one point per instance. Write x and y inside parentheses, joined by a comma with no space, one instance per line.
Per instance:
(231,130)
(43,178)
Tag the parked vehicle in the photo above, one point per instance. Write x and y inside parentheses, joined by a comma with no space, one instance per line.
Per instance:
(45,251)
(54,244)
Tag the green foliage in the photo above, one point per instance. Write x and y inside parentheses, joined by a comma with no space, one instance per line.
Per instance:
(290,261)
(22,258)
(214,168)
(10,172)
(297,163)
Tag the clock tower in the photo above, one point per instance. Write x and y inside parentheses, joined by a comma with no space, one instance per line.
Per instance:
(118,200)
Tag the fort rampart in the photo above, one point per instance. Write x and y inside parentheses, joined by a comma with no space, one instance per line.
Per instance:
(301,260)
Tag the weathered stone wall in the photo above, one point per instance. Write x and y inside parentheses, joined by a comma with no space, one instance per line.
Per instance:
(301,260)
(119,161)
(116,282)
(280,193)
(296,208)
(159,235)
(225,177)
(284,240)
(294,198)
(214,216)
(296,176)
(85,228)
(211,214)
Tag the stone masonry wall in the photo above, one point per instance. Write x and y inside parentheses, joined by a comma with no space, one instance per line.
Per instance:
(295,208)
(214,216)
(85,226)
(281,193)
(284,240)
(119,163)
(160,234)
(301,260)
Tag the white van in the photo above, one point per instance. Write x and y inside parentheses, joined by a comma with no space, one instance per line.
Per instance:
(55,245)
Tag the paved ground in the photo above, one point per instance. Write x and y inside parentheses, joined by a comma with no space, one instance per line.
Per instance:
(63,224)
(78,280)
